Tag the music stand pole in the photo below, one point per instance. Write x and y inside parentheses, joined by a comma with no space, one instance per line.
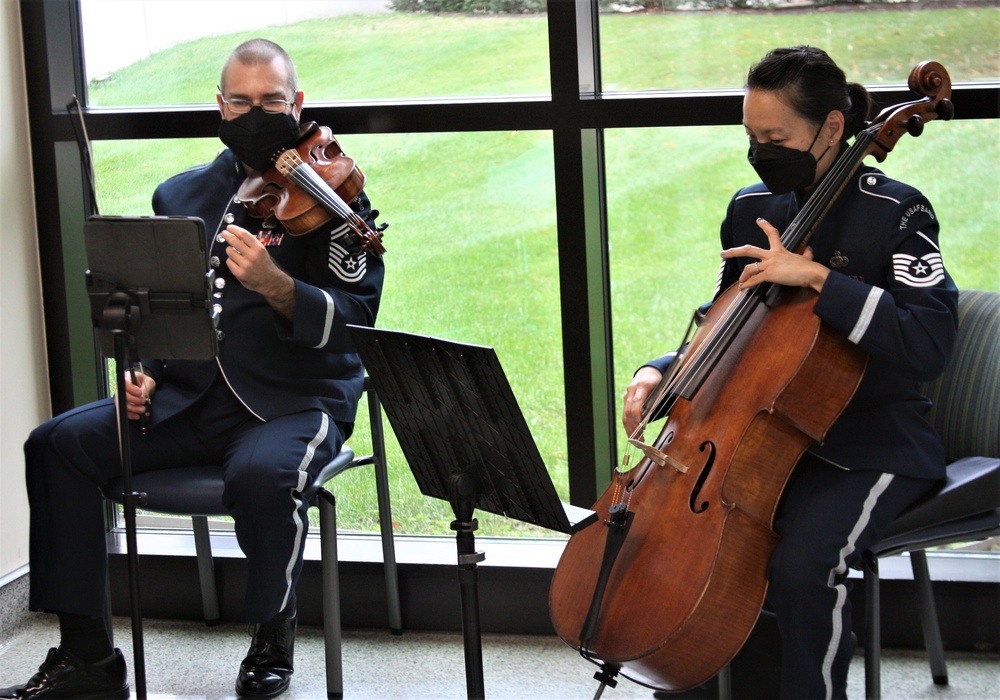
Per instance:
(117,319)
(463,495)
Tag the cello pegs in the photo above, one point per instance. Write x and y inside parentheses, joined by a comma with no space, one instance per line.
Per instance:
(946,109)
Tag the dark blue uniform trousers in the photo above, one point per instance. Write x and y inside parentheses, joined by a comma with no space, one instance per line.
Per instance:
(269,468)
(827,518)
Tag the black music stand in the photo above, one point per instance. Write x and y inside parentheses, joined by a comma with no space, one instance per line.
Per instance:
(467,443)
(150,296)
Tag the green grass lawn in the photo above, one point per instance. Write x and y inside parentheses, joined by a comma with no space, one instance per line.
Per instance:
(472,242)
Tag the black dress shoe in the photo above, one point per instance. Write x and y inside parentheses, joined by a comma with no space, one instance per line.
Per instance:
(62,675)
(267,669)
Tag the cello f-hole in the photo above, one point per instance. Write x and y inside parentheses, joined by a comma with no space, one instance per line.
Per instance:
(640,472)
(702,477)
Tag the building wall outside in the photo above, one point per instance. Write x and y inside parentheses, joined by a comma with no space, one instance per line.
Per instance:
(117,34)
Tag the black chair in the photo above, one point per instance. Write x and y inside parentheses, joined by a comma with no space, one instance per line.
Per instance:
(197,492)
(967,508)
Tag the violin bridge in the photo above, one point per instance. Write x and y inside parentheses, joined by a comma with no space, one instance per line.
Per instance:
(658,457)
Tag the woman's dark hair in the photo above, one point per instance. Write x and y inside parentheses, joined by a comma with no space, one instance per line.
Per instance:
(813,85)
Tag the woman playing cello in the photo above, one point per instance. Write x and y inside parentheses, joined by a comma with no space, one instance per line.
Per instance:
(876,264)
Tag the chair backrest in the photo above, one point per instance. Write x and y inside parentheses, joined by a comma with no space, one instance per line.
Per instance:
(966,397)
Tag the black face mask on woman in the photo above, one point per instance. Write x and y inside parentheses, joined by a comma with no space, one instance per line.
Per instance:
(257,136)
(783,169)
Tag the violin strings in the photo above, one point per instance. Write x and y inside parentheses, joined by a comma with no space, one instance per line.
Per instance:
(307,178)
(290,164)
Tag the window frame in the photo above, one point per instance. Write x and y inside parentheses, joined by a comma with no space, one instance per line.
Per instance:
(577,113)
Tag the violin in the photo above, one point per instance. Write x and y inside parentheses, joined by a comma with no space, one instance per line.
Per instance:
(309,184)
(667,592)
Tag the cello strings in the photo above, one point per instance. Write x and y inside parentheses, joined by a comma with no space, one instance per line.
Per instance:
(748,300)
(795,235)
(823,196)
(655,403)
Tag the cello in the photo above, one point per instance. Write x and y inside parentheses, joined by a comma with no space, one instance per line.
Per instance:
(667,592)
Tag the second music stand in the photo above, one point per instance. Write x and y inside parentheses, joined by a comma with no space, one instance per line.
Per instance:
(466,442)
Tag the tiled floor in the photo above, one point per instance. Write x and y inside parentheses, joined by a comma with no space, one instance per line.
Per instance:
(188,661)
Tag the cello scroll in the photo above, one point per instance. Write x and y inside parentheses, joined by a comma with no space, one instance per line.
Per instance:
(929,79)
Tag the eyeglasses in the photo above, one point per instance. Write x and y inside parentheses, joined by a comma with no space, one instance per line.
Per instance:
(238,105)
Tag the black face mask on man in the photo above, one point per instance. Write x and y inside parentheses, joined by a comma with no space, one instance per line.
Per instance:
(783,169)
(258,136)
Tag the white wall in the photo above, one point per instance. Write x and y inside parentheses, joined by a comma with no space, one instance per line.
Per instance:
(117,33)
(24,391)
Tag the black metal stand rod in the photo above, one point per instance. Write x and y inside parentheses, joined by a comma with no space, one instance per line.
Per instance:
(462,491)
(130,501)
(468,578)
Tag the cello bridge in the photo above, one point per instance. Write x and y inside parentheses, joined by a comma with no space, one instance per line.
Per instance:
(657,456)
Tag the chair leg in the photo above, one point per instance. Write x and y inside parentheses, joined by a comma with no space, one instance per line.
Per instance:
(385,515)
(725,682)
(928,617)
(108,621)
(331,594)
(206,569)
(873,636)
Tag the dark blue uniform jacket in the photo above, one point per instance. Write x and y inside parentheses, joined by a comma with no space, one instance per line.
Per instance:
(275,366)
(889,293)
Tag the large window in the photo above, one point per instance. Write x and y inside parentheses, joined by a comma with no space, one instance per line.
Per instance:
(683,46)
(344,50)
(667,194)
(532,206)
(484,271)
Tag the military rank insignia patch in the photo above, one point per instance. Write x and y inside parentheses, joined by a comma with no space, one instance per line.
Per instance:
(344,260)
(925,271)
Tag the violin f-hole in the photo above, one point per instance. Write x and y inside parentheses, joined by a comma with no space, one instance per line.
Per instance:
(696,491)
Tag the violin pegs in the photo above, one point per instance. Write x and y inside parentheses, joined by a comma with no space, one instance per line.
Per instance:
(946,109)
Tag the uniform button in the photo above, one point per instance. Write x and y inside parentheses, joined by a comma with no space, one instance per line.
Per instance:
(871,180)
(220,336)
(214,261)
(236,199)
(220,239)
(229,218)
(217,295)
(216,309)
(220,282)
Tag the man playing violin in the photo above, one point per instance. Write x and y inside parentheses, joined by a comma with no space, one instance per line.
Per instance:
(876,265)
(275,405)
